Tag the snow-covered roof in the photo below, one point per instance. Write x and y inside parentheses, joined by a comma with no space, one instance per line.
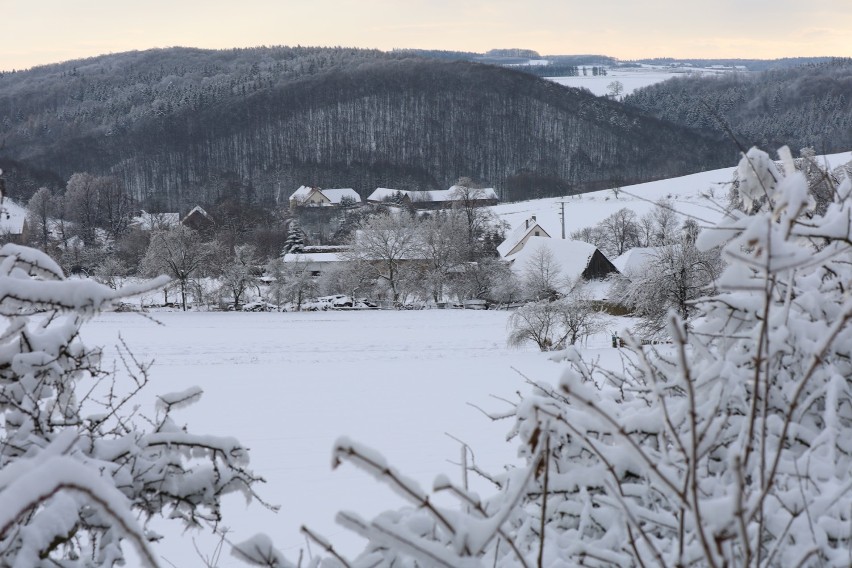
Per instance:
(382,193)
(301,194)
(334,196)
(571,256)
(518,234)
(12,217)
(200,210)
(150,221)
(635,259)
(455,193)
(312,257)
(337,195)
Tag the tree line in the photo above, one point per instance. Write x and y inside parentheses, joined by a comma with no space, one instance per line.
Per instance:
(801,107)
(169,122)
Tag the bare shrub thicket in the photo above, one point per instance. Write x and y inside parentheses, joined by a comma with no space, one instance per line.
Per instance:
(554,324)
(82,468)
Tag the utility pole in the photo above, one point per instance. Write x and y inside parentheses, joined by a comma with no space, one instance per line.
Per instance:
(562,217)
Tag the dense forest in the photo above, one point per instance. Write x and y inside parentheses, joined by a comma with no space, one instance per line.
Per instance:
(183,126)
(802,107)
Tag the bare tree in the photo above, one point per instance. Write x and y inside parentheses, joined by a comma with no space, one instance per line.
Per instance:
(679,275)
(42,209)
(81,205)
(443,247)
(110,270)
(486,279)
(299,281)
(620,232)
(240,273)
(614,89)
(592,235)
(665,221)
(555,324)
(179,253)
(386,247)
(536,322)
(579,316)
(94,202)
(115,206)
(542,276)
(468,199)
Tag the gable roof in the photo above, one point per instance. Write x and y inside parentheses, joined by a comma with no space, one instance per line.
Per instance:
(516,237)
(337,195)
(573,257)
(334,196)
(635,259)
(382,193)
(197,212)
(302,194)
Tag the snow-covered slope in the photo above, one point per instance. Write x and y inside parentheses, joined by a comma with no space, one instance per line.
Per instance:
(12,217)
(702,196)
(631,78)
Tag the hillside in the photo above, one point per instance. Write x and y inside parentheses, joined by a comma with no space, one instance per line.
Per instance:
(184,125)
(702,196)
(805,106)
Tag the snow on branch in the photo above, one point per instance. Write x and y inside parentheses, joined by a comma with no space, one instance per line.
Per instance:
(77,469)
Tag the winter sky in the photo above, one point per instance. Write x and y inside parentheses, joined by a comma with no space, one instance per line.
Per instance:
(45,31)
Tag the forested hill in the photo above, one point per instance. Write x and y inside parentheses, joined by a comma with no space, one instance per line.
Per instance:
(182,126)
(806,106)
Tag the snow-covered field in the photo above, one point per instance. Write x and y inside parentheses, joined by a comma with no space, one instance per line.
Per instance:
(631,78)
(288,384)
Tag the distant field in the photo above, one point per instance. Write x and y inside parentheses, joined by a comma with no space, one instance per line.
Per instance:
(630,78)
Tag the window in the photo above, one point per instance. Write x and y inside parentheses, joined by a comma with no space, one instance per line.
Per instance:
(537,234)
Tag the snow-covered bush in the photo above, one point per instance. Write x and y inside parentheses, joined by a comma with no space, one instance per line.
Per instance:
(731,447)
(675,277)
(555,324)
(78,470)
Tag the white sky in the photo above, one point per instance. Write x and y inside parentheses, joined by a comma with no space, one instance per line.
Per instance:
(45,31)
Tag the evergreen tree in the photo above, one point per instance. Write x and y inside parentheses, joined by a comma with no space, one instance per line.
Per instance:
(295,242)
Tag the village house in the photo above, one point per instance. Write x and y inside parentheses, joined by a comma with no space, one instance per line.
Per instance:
(516,240)
(316,197)
(198,220)
(577,260)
